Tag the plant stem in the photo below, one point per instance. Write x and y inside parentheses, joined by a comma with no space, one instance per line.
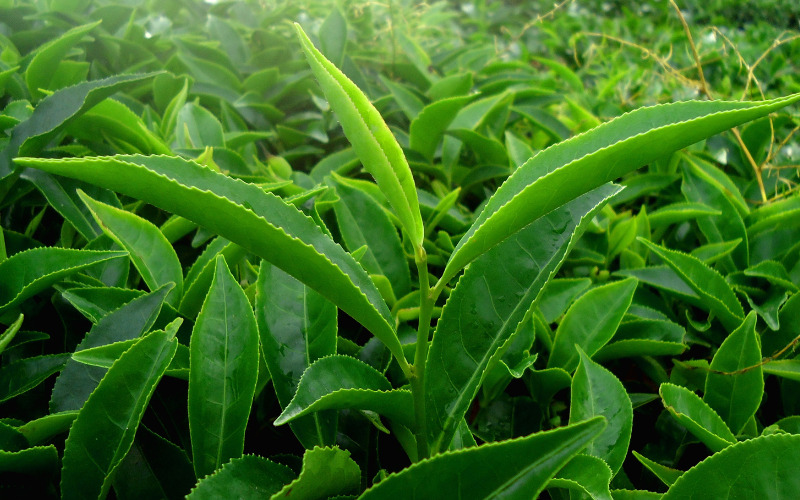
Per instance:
(426,302)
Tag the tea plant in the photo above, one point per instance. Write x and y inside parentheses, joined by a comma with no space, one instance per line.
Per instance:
(480,316)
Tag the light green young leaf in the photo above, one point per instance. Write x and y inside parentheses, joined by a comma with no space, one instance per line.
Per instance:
(596,391)
(44,428)
(326,472)
(602,154)
(198,278)
(486,306)
(764,467)
(32,271)
(694,414)
(104,430)
(429,125)
(372,140)
(245,478)
(265,225)
(297,326)
(40,70)
(735,382)
(339,382)
(591,322)
(705,282)
(149,250)
(223,368)
(514,469)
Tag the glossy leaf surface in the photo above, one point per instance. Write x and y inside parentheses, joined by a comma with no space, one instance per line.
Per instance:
(247,477)
(223,367)
(696,416)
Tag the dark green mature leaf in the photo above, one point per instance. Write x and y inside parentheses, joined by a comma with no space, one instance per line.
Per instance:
(326,472)
(372,140)
(591,322)
(339,382)
(602,154)
(427,129)
(700,187)
(265,225)
(297,326)
(363,222)
(247,477)
(518,468)
(765,467)
(8,335)
(55,111)
(705,282)
(149,250)
(223,369)
(27,273)
(596,391)
(104,430)
(198,278)
(44,428)
(735,383)
(25,374)
(77,381)
(39,460)
(666,474)
(488,303)
(694,414)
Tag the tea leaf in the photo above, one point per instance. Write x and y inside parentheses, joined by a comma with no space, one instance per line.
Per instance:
(518,468)
(247,477)
(596,391)
(297,326)
(591,322)
(265,225)
(735,383)
(765,468)
(694,414)
(223,367)
(370,137)
(326,472)
(104,430)
(339,382)
(488,303)
(602,154)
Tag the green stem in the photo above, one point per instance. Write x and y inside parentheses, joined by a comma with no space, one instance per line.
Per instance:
(427,300)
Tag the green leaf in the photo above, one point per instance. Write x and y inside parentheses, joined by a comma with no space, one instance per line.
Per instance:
(694,414)
(265,225)
(667,475)
(786,368)
(705,282)
(247,477)
(196,127)
(77,381)
(40,70)
(326,472)
(490,300)
(223,368)
(97,301)
(198,278)
(333,36)
(44,428)
(104,430)
(363,222)
(765,467)
(149,250)
(518,468)
(32,271)
(297,326)
(735,383)
(585,474)
(602,154)
(54,112)
(596,391)
(699,187)
(644,337)
(370,137)
(25,374)
(591,322)
(427,129)
(8,335)
(40,461)
(679,212)
(339,382)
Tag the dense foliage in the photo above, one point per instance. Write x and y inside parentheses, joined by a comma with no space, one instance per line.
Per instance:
(256,249)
